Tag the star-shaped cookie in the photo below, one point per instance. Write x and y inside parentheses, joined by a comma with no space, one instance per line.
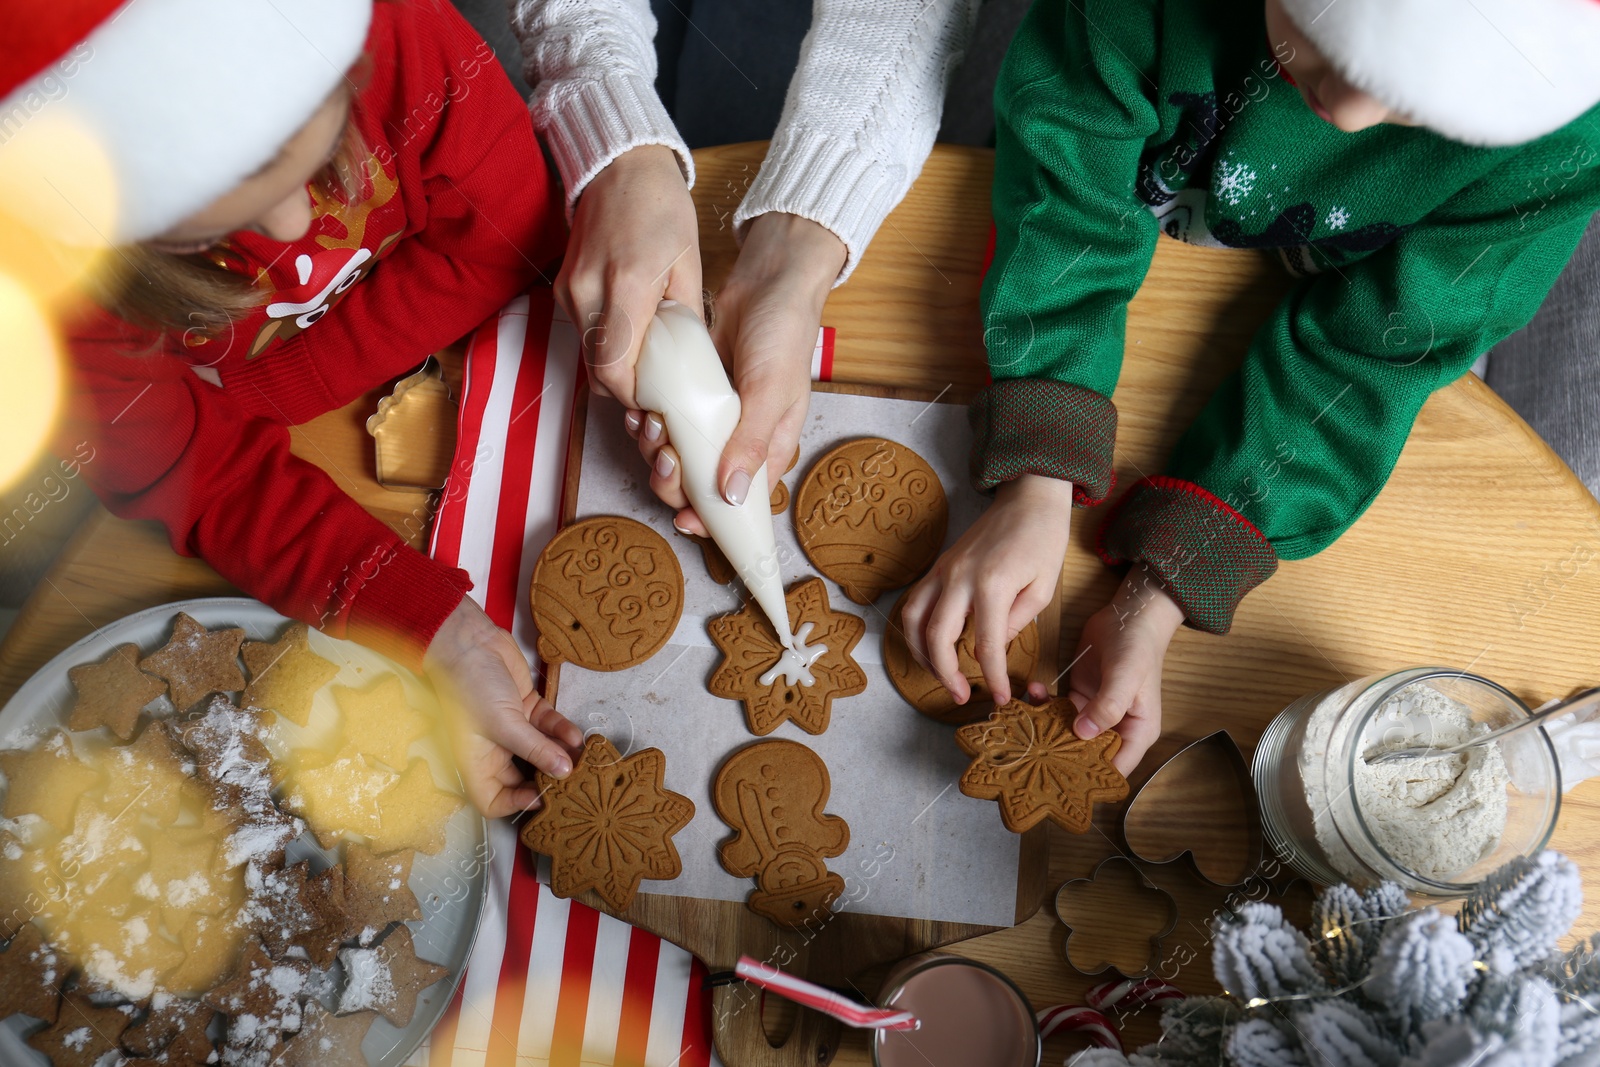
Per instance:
(750,651)
(377,891)
(268,990)
(413,813)
(285,674)
(326,1039)
(112,693)
(82,1032)
(387,979)
(46,781)
(1029,759)
(609,824)
(197,662)
(379,722)
(174,1032)
(31,976)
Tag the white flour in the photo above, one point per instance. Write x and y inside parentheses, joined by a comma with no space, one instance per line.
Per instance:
(1437,815)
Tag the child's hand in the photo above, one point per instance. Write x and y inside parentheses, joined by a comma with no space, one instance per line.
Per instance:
(635,241)
(1003,571)
(493,713)
(765,325)
(1116,677)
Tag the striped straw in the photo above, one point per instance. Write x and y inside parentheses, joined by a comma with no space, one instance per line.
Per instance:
(811,995)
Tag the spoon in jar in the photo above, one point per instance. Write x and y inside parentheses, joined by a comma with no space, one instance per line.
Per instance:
(1585,700)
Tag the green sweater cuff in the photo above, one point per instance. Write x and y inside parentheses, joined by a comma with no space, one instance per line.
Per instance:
(1207,554)
(1041,426)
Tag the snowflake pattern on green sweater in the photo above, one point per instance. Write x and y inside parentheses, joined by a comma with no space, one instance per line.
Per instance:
(1122,120)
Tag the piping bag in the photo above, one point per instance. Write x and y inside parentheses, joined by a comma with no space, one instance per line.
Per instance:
(680,376)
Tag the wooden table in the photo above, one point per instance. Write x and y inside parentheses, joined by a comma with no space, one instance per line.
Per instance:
(1482,553)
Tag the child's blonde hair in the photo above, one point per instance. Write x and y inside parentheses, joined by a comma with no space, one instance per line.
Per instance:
(197,297)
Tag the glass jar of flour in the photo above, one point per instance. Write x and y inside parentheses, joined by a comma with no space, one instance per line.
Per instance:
(1436,824)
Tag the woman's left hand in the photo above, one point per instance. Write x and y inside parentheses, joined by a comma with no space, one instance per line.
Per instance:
(765,325)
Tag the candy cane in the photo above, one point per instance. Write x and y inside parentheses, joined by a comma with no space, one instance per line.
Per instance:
(1130,994)
(1077,1020)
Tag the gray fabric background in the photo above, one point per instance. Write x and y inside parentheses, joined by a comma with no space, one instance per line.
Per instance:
(1550,370)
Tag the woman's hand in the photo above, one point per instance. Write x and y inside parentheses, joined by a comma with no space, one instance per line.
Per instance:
(1002,571)
(765,325)
(1116,677)
(493,713)
(635,241)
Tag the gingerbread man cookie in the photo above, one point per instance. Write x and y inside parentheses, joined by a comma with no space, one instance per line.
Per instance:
(923,690)
(750,670)
(871,515)
(772,794)
(607,594)
(1029,760)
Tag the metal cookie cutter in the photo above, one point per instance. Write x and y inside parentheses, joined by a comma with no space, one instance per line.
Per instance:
(1099,910)
(1201,804)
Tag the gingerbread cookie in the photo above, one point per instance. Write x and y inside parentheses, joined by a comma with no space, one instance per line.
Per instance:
(607,594)
(31,976)
(174,1032)
(923,690)
(609,824)
(718,566)
(337,796)
(212,946)
(379,722)
(46,781)
(775,690)
(285,674)
(377,891)
(387,979)
(780,491)
(871,515)
(414,813)
(1029,760)
(325,897)
(112,693)
(197,662)
(264,992)
(155,773)
(326,1039)
(234,765)
(82,1033)
(772,794)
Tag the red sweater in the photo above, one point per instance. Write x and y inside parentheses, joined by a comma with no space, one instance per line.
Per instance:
(461,215)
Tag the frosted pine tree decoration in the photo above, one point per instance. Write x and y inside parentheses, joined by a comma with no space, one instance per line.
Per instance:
(1377,984)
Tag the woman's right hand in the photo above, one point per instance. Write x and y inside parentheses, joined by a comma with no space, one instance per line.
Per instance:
(635,242)
(493,713)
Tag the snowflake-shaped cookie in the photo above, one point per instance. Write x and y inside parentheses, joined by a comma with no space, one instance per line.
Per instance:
(609,824)
(1029,760)
(751,652)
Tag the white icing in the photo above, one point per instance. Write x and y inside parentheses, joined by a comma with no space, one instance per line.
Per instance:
(681,377)
(795,663)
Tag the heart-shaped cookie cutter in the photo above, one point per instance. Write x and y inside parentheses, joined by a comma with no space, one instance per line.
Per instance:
(1199,804)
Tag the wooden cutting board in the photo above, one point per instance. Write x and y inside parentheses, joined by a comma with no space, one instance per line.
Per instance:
(851,950)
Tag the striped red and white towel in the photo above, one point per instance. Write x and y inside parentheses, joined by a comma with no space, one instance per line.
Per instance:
(550,981)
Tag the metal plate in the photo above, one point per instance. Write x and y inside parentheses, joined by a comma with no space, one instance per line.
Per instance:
(451,886)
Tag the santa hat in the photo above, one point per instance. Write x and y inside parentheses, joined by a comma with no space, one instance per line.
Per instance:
(1487,72)
(182,98)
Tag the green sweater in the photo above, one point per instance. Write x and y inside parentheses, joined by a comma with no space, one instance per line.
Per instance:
(1122,119)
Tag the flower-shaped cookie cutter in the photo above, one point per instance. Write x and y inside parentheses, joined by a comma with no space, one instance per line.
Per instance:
(1098,911)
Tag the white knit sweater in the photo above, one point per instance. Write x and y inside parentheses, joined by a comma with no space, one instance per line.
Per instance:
(858,121)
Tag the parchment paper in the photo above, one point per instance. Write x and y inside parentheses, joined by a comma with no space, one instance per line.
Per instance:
(918,848)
